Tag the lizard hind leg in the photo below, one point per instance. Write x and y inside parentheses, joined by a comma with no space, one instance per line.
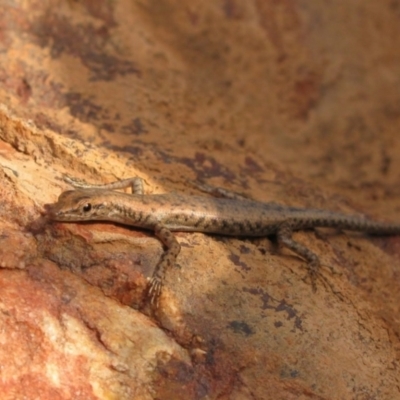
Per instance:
(284,236)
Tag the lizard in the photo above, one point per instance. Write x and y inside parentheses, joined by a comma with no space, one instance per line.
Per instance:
(232,215)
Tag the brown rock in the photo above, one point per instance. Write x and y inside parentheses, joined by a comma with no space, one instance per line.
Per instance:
(293,102)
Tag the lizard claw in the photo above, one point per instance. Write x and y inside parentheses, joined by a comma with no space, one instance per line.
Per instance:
(313,273)
(154,291)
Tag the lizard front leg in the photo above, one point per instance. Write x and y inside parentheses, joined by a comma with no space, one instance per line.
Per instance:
(167,260)
(136,184)
(218,191)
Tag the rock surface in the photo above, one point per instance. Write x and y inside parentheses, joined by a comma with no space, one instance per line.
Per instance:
(292,102)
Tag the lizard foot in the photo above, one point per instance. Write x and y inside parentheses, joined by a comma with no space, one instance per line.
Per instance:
(154,291)
(314,274)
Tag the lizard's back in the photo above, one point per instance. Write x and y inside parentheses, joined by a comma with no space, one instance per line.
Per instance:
(204,214)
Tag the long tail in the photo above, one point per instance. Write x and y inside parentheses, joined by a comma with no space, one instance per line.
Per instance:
(351,223)
(369,226)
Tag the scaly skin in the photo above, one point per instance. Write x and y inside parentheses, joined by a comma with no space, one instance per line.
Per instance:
(164,213)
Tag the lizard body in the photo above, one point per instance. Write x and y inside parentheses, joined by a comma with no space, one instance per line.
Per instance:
(165,213)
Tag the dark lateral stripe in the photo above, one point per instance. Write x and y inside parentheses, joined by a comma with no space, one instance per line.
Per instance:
(146,218)
(139,216)
(224,224)
(241,227)
(199,222)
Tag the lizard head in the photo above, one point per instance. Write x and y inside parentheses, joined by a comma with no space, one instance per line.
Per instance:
(78,205)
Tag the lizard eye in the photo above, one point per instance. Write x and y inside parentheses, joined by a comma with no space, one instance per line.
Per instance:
(87,207)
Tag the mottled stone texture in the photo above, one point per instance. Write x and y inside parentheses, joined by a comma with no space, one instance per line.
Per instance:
(292,102)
